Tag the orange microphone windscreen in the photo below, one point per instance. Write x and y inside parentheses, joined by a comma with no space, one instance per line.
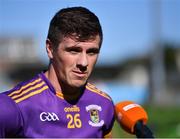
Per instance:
(128,114)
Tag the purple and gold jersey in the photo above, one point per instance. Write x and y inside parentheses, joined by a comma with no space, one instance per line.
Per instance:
(34,109)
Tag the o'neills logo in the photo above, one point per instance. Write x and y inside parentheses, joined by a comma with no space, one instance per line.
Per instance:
(74,108)
(94,115)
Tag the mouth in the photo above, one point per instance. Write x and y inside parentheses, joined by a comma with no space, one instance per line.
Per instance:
(80,74)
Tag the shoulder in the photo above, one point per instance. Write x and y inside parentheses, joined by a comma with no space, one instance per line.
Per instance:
(11,120)
(93,89)
(27,89)
(7,105)
(9,112)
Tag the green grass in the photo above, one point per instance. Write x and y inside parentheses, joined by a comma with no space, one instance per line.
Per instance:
(163,121)
(118,132)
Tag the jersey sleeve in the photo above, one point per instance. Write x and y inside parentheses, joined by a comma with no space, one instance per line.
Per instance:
(10,119)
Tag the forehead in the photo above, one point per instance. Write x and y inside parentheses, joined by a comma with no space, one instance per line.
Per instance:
(72,41)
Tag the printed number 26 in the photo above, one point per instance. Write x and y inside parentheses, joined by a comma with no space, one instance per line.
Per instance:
(74,121)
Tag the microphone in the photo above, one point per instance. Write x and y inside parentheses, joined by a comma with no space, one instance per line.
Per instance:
(133,119)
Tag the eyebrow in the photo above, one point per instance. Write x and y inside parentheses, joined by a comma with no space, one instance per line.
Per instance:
(77,48)
(95,50)
(69,48)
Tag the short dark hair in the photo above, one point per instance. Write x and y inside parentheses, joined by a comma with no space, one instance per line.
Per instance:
(77,22)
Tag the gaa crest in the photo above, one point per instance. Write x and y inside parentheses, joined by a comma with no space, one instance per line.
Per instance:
(94,115)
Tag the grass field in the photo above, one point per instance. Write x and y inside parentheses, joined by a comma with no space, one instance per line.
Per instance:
(164,122)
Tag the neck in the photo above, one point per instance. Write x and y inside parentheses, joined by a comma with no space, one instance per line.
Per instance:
(52,77)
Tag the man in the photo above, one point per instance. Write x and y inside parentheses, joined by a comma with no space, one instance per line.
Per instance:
(60,102)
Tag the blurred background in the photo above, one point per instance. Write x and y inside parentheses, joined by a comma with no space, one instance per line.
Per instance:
(139,59)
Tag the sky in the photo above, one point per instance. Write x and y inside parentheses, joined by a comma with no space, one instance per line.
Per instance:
(128,25)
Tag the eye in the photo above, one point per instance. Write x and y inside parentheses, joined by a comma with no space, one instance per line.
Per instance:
(73,50)
(93,51)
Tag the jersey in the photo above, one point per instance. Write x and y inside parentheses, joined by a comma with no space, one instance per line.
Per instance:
(33,109)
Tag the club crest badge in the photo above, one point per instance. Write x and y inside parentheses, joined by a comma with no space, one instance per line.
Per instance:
(94,115)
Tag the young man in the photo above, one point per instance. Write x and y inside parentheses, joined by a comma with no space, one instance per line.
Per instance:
(60,102)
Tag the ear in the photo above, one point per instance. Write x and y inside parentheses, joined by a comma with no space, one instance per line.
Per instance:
(49,48)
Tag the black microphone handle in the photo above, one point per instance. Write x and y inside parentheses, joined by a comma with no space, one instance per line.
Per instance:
(142,131)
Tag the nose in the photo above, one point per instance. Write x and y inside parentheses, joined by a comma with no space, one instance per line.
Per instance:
(82,62)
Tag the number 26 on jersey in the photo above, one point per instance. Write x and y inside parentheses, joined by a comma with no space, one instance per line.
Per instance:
(74,121)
